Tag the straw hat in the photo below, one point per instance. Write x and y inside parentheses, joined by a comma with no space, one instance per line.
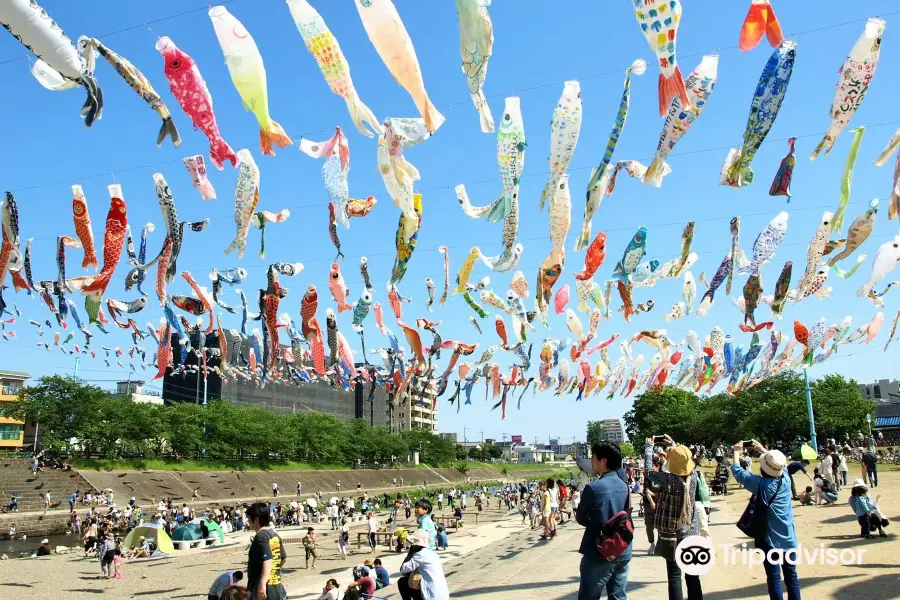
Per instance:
(860,483)
(679,461)
(772,463)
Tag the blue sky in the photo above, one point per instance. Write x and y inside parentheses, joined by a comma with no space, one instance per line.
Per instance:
(537,47)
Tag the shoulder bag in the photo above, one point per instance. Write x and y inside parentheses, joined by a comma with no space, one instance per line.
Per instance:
(616,534)
(754,523)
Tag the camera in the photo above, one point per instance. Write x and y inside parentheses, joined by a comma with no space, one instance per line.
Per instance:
(695,555)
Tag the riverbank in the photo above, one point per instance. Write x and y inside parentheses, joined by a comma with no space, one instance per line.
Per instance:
(228,488)
(188,574)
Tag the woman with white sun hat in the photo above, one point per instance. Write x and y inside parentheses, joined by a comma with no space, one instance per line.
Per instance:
(772,488)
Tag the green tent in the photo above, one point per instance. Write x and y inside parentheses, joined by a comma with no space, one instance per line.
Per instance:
(214,528)
(187,533)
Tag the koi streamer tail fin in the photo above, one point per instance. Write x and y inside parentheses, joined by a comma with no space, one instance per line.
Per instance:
(484,112)
(433,117)
(360,113)
(669,87)
(500,208)
(760,18)
(274,134)
(239,244)
(592,205)
(892,145)
(824,146)
(168,130)
(93,106)
(505,261)
(220,151)
(736,173)
(849,272)
(656,171)
(549,190)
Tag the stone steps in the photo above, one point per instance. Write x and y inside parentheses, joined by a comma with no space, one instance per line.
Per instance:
(16,476)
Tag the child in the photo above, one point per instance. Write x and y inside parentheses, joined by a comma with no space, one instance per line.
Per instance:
(343,539)
(821,492)
(865,509)
(805,497)
(441,539)
(535,512)
(117,563)
(401,535)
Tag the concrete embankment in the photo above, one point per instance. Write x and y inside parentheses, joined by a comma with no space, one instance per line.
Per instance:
(213,487)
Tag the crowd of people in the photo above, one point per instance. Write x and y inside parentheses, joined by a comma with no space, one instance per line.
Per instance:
(675,504)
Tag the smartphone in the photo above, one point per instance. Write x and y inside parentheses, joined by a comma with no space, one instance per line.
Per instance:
(748,444)
(659,439)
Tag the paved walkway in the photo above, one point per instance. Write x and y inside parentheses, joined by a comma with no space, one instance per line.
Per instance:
(506,561)
(503,560)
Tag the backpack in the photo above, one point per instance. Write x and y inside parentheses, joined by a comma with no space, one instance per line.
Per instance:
(616,534)
(754,523)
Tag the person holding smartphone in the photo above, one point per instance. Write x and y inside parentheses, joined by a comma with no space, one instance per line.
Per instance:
(774,487)
(678,509)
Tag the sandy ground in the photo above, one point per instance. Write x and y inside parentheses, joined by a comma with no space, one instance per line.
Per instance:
(500,558)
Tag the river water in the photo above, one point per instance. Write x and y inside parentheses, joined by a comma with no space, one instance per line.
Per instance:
(16,548)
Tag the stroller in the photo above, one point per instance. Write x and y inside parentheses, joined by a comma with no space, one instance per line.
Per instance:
(718,486)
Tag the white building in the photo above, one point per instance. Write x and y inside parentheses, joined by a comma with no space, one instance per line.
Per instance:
(883,389)
(612,430)
(134,389)
(416,408)
(528,453)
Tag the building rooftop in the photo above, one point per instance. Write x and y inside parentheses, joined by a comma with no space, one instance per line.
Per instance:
(15,374)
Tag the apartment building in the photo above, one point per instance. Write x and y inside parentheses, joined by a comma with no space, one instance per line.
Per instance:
(416,408)
(12,432)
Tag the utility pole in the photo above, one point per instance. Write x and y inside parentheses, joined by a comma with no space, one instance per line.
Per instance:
(482,436)
(809,410)
(465,439)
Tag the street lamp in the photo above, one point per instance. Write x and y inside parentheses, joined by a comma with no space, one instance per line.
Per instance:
(869,423)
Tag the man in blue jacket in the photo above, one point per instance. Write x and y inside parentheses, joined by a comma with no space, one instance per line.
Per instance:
(600,501)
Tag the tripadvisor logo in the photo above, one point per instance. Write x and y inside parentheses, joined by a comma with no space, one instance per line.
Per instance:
(696,555)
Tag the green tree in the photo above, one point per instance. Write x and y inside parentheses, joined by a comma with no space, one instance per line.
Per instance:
(64,409)
(594,432)
(435,450)
(839,407)
(490,451)
(671,410)
(461,453)
(627,449)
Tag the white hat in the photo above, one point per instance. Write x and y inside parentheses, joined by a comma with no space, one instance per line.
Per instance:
(860,483)
(45,541)
(418,538)
(772,463)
